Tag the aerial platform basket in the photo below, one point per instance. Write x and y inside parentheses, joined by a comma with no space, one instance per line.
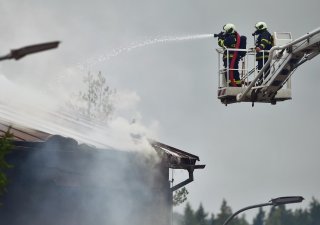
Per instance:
(228,95)
(284,58)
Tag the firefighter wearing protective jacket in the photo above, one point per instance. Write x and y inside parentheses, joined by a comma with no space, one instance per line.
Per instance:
(263,44)
(231,39)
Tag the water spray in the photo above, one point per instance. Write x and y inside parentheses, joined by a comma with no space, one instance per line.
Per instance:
(115,52)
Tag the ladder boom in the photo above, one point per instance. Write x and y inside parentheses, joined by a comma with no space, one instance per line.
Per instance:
(283,61)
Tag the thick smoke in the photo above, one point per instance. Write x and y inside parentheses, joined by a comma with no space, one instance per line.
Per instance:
(45,111)
(61,182)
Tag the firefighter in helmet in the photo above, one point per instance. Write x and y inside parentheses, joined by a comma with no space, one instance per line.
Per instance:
(264,43)
(229,38)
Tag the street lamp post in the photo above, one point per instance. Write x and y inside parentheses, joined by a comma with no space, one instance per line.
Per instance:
(21,52)
(272,202)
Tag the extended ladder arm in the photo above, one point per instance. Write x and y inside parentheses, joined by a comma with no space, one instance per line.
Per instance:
(241,96)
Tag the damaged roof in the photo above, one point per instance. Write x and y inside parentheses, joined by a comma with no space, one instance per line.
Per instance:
(173,157)
(22,133)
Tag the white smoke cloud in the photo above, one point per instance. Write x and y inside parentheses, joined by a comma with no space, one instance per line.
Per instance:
(43,111)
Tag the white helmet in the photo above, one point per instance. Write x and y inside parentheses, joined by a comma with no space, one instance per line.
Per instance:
(229,28)
(261,26)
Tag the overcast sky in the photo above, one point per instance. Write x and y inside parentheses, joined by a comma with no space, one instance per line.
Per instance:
(251,154)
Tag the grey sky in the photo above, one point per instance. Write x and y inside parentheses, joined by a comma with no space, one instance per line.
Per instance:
(252,154)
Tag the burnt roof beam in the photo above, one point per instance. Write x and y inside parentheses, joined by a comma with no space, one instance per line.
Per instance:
(177,159)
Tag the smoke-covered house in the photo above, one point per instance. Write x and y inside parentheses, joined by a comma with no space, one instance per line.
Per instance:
(54,180)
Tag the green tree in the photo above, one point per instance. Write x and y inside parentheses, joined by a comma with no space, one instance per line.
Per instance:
(301,216)
(241,221)
(188,217)
(5,148)
(314,212)
(180,196)
(274,216)
(223,215)
(259,219)
(201,216)
(278,215)
(226,212)
(95,102)
(212,220)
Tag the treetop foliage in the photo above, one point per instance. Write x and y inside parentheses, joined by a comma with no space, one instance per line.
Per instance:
(95,101)
(277,215)
(5,148)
